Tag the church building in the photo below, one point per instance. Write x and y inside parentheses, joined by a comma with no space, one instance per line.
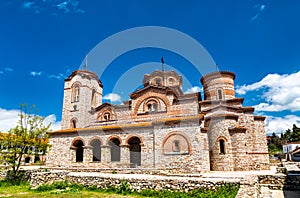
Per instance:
(159,127)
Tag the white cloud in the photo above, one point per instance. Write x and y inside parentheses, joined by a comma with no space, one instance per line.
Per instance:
(193,90)
(6,69)
(55,125)
(55,7)
(10,118)
(113,97)
(63,6)
(35,73)
(260,9)
(281,92)
(281,124)
(57,76)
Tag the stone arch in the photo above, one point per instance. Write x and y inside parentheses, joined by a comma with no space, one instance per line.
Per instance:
(95,143)
(112,137)
(114,142)
(73,123)
(152,95)
(135,151)
(182,137)
(77,138)
(132,136)
(78,145)
(95,138)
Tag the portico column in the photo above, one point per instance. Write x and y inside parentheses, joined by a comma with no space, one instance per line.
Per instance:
(106,153)
(87,154)
(125,154)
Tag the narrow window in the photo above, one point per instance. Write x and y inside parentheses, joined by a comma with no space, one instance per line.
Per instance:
(75,93)
(73,123)
(222,146)
(176,147)
(107,116)
(93,99)
(220,94)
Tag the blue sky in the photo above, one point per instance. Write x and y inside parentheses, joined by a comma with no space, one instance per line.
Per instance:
(43,41)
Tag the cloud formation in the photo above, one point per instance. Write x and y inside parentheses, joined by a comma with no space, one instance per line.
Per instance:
(9,119)
(57,76)
(35,73)
(113,97)
(260,9)
(193,90)
(6,69)
(55,7)
(286,122)
(281,92)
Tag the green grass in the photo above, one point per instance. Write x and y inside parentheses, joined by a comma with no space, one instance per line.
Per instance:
(64,189)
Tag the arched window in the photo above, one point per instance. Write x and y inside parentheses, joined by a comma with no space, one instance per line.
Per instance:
(152,106)
(93,99)
(220,95)
(171,81)
(106,116)
(176,146)
(73,123)
(222,146)
(75,93)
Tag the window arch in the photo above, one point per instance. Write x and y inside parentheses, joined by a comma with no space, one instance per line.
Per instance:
(78,145)
(107,116)
(75,92)
(171,81)
(176,143)
(73,123)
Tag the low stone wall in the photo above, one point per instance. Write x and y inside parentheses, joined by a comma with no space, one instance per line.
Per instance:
(137,182)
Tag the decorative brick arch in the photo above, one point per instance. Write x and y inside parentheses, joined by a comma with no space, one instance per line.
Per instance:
(151,95)
(78,138)
(112,137)
(106,110)
(132,136)
(95,138)
(180,134)
(222,138)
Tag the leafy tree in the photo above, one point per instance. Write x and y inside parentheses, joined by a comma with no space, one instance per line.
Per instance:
(295,136)
(27,137)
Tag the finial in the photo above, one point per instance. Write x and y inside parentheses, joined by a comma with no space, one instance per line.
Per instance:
(162,63)
(86,62)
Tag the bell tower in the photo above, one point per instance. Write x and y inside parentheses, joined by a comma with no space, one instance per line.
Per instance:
(218,85)
(82,93)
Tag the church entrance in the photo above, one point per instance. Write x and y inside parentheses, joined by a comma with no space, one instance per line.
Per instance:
(79,150)
(135,152)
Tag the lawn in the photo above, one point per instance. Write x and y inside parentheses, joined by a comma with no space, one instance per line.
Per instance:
(65,189)
(23,190)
